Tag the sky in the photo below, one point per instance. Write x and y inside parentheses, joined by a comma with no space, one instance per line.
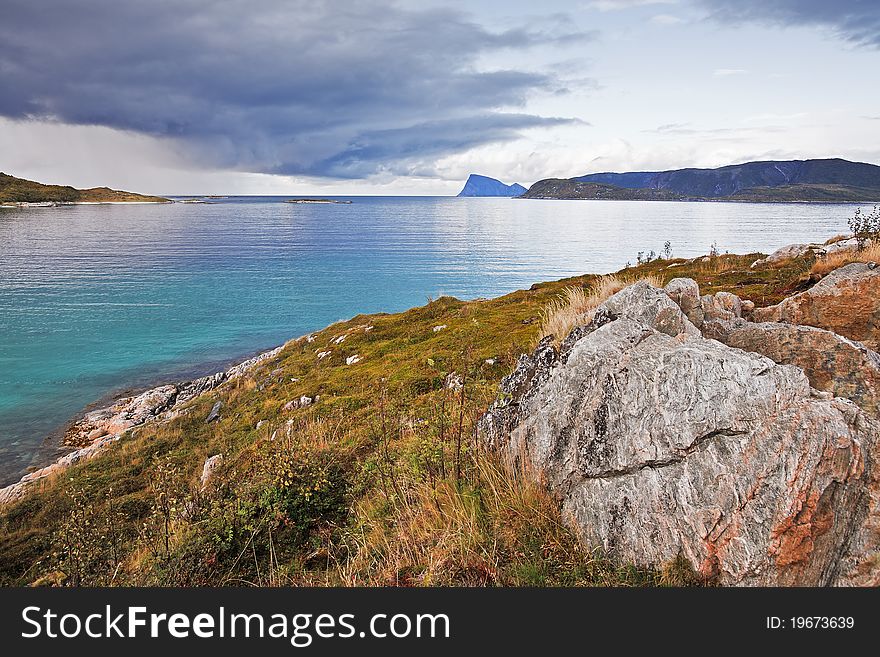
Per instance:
(410,96)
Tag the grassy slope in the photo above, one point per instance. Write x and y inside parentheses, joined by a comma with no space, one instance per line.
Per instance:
(816,193)
(18,190)
(379,482)
(557,188)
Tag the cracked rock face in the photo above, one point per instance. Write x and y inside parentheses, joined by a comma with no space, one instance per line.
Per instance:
(663,443)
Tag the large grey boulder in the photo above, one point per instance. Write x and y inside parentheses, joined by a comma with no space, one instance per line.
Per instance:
(663,443)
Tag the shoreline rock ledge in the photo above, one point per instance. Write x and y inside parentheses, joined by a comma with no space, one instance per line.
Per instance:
(661,442)
(97,430)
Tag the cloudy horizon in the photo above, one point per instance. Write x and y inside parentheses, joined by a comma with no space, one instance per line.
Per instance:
(383,97)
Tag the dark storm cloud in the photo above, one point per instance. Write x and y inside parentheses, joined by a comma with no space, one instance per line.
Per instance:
(332,87)
(417,143)
(855,20)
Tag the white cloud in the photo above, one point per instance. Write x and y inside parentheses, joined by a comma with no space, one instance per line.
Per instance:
(666,19)
(725,72)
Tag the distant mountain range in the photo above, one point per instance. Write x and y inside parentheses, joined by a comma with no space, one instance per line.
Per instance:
(825,180)
(19,190)
(484,186)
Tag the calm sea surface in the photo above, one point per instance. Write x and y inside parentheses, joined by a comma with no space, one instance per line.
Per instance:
(95,300)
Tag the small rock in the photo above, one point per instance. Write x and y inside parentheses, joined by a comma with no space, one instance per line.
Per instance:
(686,293)
(340,339)
(439,328)
(489,361)
(195,388)
(720,307)
(352,360)
(261,424)
(843,246)
(119,425)
(787,253)
(453,381)
(647,304)
(97,433)
(310,338)
(211,464)
(729,302)
(215,413)
(323,354)
(301,402)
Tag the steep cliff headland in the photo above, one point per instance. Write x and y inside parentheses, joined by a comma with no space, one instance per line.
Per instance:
(477,185)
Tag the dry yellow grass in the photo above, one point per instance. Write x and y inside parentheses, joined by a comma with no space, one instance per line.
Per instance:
(575,306)
(836,239)
(717,264)
(469,533)
(823,266)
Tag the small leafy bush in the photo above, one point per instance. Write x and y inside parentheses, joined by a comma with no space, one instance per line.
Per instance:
(865,227)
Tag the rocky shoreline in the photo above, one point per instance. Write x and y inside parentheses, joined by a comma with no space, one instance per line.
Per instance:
(96,430)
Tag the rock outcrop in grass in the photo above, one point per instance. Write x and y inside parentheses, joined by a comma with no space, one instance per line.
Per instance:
(846,301)
(663,443)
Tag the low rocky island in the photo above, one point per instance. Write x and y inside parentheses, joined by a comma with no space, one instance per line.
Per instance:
(27,193)
(318,200)
(710,421)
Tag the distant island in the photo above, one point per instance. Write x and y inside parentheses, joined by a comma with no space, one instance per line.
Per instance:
(317,200)
(822,180)
(477,185)
(17,191)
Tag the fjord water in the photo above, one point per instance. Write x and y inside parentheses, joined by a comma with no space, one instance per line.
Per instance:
(97,300)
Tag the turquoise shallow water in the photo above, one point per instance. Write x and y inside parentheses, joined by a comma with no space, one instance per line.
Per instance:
(95,300)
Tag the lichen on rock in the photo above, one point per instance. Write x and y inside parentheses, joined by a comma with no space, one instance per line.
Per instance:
(663,443)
